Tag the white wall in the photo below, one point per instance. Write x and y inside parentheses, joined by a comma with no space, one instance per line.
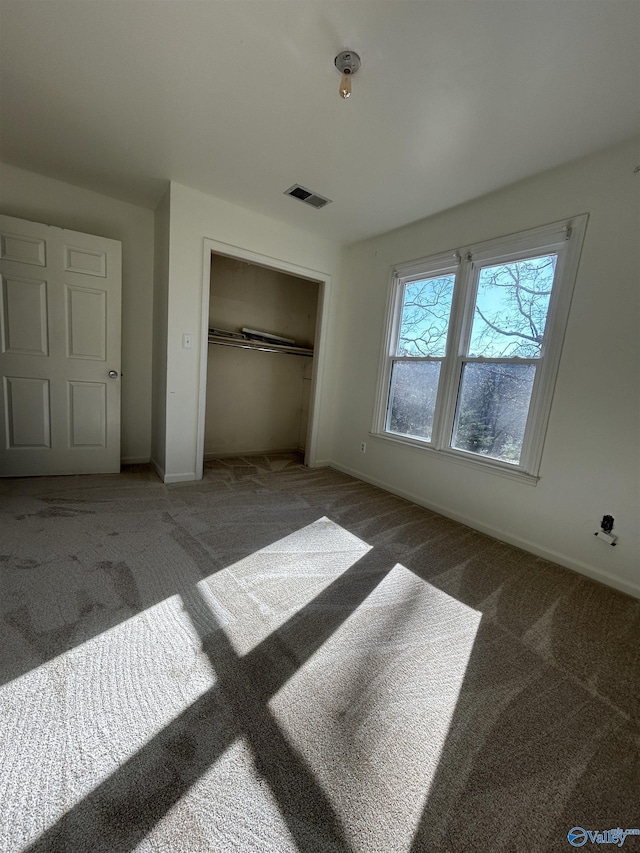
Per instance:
(194,218)
(591,459)
(30,196)
(160,320)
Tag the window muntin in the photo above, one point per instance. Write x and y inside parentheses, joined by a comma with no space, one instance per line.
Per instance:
(474,342)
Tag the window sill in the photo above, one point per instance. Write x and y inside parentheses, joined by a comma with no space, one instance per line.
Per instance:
(461,458)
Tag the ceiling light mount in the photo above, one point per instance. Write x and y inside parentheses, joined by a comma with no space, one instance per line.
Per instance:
(347,62)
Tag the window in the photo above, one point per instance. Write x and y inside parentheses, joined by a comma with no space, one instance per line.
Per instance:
(473,346)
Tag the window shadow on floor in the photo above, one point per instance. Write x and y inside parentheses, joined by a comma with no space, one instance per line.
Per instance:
(122,810)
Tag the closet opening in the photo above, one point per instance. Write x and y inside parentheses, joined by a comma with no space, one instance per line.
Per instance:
(261,329)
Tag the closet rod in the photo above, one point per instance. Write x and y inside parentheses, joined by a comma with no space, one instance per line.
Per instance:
(260,347)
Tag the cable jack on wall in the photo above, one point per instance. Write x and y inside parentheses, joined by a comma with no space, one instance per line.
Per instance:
(347,62)
(606,526)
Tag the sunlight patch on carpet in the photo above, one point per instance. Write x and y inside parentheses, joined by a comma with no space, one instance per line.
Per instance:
(265,589)
(370,711)
(229,808)
(72,722)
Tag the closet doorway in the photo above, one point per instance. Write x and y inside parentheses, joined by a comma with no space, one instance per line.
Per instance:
(262,323)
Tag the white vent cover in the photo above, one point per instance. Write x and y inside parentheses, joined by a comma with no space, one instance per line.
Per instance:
(302,193)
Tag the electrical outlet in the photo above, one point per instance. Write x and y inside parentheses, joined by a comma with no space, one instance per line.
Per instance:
(363,447)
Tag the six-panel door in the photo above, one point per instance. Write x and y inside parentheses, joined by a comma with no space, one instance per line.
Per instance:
(60,303)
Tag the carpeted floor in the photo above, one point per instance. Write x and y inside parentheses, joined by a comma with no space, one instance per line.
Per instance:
(281,659)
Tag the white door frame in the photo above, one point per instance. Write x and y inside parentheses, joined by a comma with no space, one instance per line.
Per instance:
(324,294)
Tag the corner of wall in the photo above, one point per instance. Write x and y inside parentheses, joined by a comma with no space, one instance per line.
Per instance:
(160,319)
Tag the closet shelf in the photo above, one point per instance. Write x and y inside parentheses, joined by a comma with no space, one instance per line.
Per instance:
(260,346)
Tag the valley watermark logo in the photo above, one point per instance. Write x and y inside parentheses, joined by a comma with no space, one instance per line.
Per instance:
(578,836)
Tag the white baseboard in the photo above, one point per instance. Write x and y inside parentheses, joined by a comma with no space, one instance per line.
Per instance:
(326,463)
(187,477)
(532,547)
(157,468)
(135,460)
(229,454)
(172,478)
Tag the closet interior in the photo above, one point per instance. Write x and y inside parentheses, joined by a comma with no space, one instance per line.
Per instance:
(262,328)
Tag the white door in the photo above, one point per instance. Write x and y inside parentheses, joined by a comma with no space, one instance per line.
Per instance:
(59,351)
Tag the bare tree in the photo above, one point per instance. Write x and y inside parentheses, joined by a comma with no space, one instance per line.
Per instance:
(509,322)
(517,296)
(425,317)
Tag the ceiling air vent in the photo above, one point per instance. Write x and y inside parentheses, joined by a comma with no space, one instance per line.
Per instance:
(307,196)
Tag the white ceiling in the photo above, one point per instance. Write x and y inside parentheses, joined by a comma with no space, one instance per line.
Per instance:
(239,99)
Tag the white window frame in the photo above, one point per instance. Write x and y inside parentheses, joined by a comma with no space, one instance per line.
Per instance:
(562,238)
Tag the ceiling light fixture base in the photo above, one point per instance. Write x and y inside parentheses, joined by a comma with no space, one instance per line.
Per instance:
(347,62)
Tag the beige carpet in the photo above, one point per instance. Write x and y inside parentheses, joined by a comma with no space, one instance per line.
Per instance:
(282,659)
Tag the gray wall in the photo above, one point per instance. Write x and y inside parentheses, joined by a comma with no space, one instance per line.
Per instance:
(258,401)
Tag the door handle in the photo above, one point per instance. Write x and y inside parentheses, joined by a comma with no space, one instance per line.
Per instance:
(113,374)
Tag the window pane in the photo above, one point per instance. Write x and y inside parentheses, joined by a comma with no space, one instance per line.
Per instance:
(511,308)
(425,317)
(492,409)
(412,400)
